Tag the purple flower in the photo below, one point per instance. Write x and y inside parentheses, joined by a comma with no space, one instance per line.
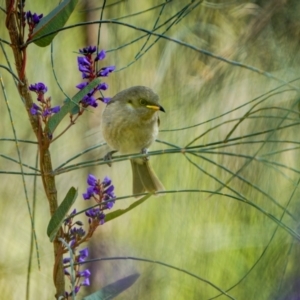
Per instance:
(55,109)
(90,213)
(93,212)
(46,112)
(86,66)
(105,198)
(74,211)
(50,111)
(36,18)
(96,213)
(83,275)
(101,55)
(28,15)
(39,88)
(109,191)
(86,282)
(88,50)
(91,180)
(110,204)
(83,254)
(69,219)
(89,101)
(106,99)
(102,86)
(75,231)
(66,260)
(109,201)
(81,259)
(101,218)
(33,19)
(83,61)
(84,69)
(104,72)
(82,85)
(72,243)
(85,75)
(66,272)
(89,193)
(106,181)
(86,273)
(35,109)
(94,188)
(108,194)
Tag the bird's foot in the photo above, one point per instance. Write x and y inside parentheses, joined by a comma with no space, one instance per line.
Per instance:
(108,157)
(145,151)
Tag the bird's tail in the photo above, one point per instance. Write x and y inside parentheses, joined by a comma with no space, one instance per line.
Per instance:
(144,177)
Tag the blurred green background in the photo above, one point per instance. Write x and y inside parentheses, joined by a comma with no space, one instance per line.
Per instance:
(248,244)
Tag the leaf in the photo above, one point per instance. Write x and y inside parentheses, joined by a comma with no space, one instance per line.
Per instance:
(60,214)
(75,110)
(120,212)
(69,106)
(55,20)
(112,290)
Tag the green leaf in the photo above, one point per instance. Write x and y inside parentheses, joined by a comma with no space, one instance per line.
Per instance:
(120,212)
(60,214)
(55,20)
(75,110)
(113,289)
(69,106)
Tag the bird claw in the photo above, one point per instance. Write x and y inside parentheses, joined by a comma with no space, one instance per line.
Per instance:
(145,151)
(108,156)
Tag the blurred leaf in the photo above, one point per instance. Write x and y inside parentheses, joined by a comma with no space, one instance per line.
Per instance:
(114,289)
(120,212)
(55,20)
(69,106)
(59,216)
(75,110)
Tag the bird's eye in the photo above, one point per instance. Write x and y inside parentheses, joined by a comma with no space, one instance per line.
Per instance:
(143,102)
(129,101)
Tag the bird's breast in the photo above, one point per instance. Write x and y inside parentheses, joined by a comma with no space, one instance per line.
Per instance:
(127,132)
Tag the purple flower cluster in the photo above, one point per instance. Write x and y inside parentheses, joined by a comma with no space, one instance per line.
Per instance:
(33,19)
(40,88)
(44,108)
(74,232)
(81,277)
(87,67)
(86,64)
(103,194)
(95,213)
(89,99)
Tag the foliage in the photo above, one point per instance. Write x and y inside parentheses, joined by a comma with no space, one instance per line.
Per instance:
(227,225)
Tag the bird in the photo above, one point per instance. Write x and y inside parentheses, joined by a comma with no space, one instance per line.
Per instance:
(130,124)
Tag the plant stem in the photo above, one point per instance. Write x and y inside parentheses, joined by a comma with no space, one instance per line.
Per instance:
(17,39)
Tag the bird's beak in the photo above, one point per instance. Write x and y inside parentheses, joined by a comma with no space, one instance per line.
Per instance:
(156,107)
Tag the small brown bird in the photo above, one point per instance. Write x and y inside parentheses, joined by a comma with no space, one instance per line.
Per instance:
(130,124)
